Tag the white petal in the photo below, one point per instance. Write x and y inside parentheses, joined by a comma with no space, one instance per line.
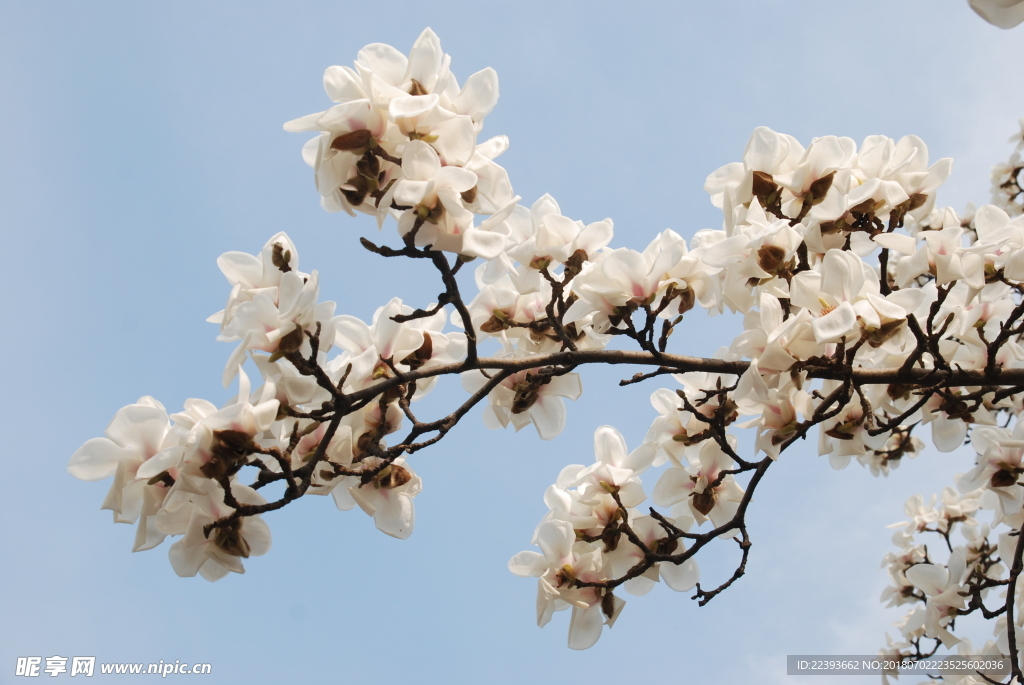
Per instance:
(585,627)
(527,564)
(97,459)
(682,577)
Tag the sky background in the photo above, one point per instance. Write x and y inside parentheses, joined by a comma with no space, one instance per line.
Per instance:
(139,141)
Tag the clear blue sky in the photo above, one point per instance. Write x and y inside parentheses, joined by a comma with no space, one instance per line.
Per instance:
(138,141)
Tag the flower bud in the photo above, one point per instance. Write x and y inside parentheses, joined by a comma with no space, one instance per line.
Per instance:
(355,140)
(229,538)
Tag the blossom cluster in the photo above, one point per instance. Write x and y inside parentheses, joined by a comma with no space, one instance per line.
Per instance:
(837,256)
(402,139)
(583,539)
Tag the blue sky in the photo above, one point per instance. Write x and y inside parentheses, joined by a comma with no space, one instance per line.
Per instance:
(138,141)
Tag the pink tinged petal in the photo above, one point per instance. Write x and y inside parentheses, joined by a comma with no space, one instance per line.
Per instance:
(839,322)
(555,539)
(163,460)
(528,564)
(585,627)
(352,334)
(97,459)
(948,434)
(673,486)
(139,428)
(548,416)
(680,577)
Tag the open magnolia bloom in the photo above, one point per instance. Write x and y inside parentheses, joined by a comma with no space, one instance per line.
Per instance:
(524,398)
(709,493)
(216,553)
(387,496)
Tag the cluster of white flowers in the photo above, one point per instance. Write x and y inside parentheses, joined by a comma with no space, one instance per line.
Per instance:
(836,255)
(973,572)
(582,540)
(402,140)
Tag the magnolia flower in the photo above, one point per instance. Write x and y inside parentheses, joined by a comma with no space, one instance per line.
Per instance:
(524,398)
(615,470)
(697,487)
(562,562)
(271,304)
(942,587)
(435,194)
(138,433)
(623,280)
(213,556)
(408,345)
(387,497)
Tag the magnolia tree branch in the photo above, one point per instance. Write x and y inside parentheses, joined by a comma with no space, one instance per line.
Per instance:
(869,312)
